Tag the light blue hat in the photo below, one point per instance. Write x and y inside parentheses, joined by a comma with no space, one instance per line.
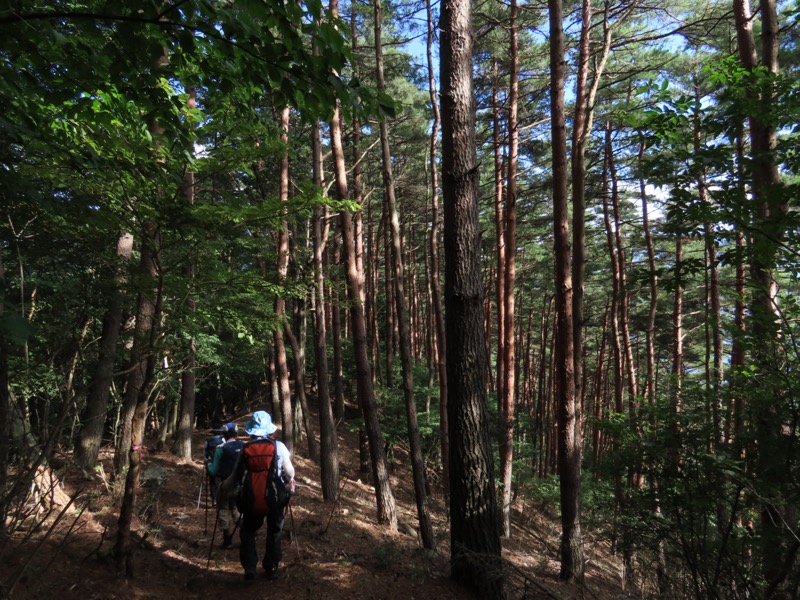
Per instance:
(260,424)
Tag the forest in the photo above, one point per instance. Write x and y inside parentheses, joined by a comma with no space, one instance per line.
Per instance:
(549,250)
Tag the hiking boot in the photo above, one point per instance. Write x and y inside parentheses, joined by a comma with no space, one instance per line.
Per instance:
(227,539)
(249,575)
(271,573)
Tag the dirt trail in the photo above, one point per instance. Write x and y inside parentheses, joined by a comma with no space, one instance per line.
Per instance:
(331,550)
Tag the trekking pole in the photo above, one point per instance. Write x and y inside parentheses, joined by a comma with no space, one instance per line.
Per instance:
(236,524)
(211,545)
(294,535)
(200,492)
(208,485)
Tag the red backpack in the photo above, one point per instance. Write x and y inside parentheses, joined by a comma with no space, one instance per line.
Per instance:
(263,489)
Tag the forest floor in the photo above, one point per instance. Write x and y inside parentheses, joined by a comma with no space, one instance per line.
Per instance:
(331,550)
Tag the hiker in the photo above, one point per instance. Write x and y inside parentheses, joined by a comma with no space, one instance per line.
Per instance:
(259,481)
(220,468)
(208,455)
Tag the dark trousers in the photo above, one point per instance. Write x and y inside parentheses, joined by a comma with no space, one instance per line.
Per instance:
(248,555)
(213,486)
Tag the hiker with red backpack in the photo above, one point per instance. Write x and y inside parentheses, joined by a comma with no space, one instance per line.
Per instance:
(221,466)
(264,475)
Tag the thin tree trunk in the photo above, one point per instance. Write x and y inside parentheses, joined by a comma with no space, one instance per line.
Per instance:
(94,416)
(677,327)
(300,390)
(274,393)
(404,330)
(620,492)
(738,352)
(582,126)
(499,220)
(373,284)
(329,457)
(738,348)
(183,439)
(5,408)
(597,396)
(627,349)
(386,506)
(336,335)
(539,428)
(136,395)
(435,277)
(713,349)
(510,240)
(281,366)
(388,291)
(578,176)
(650,332)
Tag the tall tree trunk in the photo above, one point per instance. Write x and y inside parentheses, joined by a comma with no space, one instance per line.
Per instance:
(473,505)
(738,345)
(624,312)
(738,348)
(585,95)
(387,510)
(578,176)
(510,240)
(569,442)
(336,335)
(650,332)
(386,506)
(274,394)
(281,366)
(373,283)
(539,426)
(499,220)
(677,329)
(388,285)
(183,439)
(5,407)
(617,335)
(136,396)
(329,458)
(94,416)
(713,362)
(778,545)
(300,389)
(398,273)
(597,396)
(435,276)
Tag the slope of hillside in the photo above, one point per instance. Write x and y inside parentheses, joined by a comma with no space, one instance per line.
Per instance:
(331,550)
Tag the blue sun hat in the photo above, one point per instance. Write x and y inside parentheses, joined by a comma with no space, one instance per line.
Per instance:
(260,424)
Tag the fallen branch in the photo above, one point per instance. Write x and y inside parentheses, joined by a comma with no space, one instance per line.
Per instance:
(18,575)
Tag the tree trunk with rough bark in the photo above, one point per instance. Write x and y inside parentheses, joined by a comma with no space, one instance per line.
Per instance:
(474,540)
(569,442)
